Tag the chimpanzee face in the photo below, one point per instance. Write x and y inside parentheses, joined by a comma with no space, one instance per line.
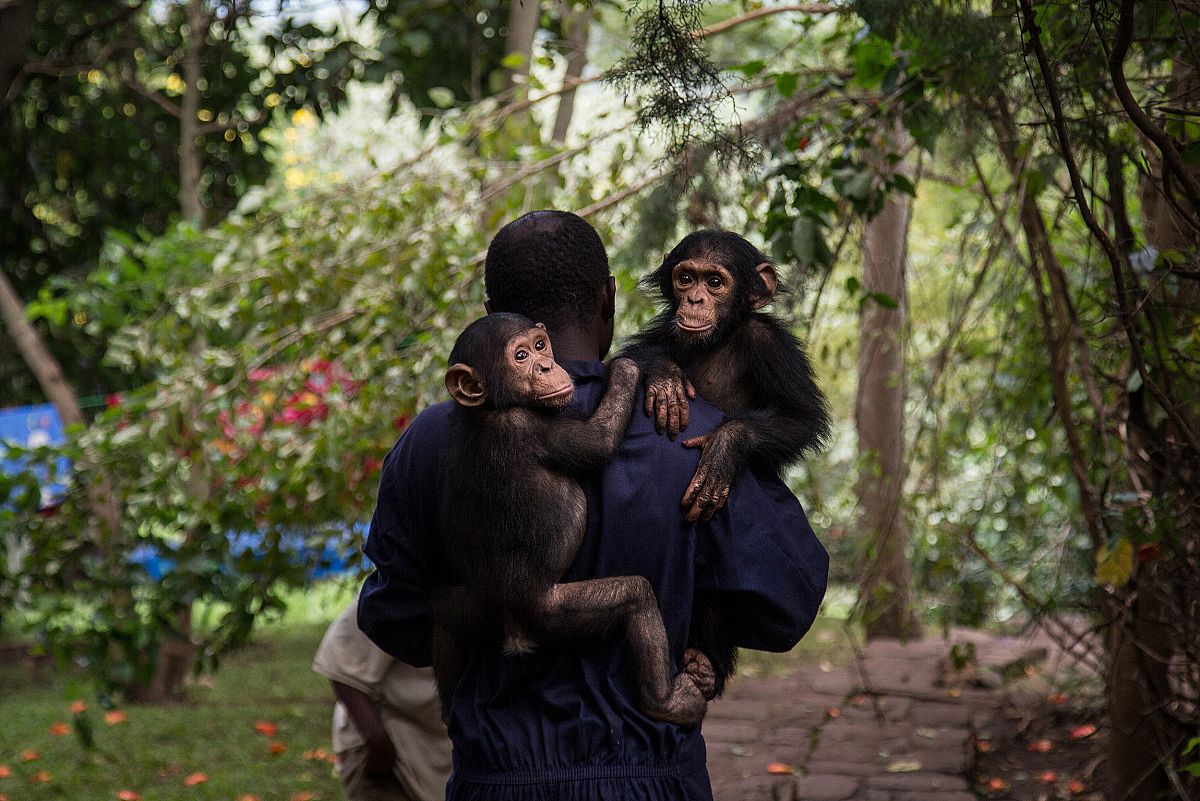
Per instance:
(703,292)
(532,371)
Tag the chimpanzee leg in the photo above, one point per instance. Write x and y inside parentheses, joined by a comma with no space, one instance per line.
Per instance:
(454,615)
(603,604)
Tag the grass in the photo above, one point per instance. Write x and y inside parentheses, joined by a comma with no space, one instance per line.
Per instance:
(157,748)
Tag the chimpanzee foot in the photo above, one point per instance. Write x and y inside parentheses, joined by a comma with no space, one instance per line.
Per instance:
(517,644)
(698,666)
(684,707)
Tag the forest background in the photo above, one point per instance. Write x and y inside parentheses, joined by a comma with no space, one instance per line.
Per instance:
(238,238)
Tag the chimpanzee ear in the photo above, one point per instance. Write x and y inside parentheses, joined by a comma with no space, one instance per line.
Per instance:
(766,271)
(539,325)
(465,385)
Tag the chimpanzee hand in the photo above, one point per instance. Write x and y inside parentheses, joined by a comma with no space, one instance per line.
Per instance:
(719,465)
(700,668)
(667,394)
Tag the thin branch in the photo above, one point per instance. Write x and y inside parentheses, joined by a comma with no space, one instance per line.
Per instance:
(759,13)
(154,97)
(1106,243)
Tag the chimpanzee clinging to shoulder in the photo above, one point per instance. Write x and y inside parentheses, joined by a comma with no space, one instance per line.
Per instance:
(513,515)
(713,338)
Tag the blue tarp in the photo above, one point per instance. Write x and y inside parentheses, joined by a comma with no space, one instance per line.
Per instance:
(34,426)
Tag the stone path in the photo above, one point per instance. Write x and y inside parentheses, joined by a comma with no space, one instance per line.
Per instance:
(901,735)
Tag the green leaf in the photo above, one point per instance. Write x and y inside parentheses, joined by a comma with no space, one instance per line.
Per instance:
(852,285)
(513,61)
(441,96)
(750,68)
(786,83)
(872,58)
(884,299)
(902,184)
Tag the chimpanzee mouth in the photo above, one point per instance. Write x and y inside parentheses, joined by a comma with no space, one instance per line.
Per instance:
(558,393)
(694,329)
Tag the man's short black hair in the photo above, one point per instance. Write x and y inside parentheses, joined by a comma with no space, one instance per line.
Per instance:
(549,266)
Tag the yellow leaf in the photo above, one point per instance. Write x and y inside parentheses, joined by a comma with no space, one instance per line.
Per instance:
(1114,566)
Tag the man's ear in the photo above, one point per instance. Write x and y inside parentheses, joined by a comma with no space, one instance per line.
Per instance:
(766,271)
(465,385)
(487,306)
(608,303)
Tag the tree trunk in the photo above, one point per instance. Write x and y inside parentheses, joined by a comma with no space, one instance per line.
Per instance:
(576,26)
(523,17)
(37,356)
(879,416)
(191,203)
(16,23)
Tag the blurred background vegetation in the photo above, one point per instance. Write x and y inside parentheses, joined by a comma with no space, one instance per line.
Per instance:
(238,238)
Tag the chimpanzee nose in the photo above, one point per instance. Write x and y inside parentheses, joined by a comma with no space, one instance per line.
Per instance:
(545,366)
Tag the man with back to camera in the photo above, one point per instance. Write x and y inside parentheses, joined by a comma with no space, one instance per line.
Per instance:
(563,722)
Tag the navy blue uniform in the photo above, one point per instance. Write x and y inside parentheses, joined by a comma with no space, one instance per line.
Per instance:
(563,723)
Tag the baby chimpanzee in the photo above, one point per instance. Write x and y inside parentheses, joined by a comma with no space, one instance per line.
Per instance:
(513,514)
(711,338)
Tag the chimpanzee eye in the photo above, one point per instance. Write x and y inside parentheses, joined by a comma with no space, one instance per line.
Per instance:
(522,355)
(715,281)
(540,344)
(685,279)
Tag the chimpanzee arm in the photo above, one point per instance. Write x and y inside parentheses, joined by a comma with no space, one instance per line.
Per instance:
(789,416)
(667,388)
(574,445)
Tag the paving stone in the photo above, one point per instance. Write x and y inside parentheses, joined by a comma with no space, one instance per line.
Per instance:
(917,782)
(893,707)
(935,796)
(938,715)
(836,767)
(746,709)
(826,787)
(730,731)
(838,683)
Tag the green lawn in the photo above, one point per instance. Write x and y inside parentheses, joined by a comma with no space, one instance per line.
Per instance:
(157,748)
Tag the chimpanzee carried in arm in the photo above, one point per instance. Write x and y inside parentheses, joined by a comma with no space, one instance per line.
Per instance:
(712,338)
(513,516)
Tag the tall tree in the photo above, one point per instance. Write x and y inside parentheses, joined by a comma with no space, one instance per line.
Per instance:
(887,588)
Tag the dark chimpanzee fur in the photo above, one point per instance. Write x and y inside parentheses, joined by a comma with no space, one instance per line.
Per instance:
(712,339)
(513,515)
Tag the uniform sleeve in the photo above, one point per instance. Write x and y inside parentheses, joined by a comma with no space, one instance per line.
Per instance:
(761,560)
(346,655)
(393,606)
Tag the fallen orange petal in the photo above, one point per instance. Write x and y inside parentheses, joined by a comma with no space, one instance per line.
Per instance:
(303,796)
(114,717)
(128,795)
(41,777)
(858,700)
(266,728)
(78,707)
(780,768)
(192,779)
(1075,786)
(1041,746)
(996,785)
(5,771)
(276,747)
(833,712)
(58,729)
(248,797)
(1048,777)
(3,797)
(1080,732)
(28,755)
(1058,698)
(983,746)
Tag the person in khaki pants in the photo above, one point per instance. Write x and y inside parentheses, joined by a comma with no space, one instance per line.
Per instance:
(388,735)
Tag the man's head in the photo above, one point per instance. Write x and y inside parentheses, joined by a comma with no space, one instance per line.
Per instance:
(550,266)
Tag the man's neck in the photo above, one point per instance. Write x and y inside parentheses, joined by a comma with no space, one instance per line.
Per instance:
(573,344)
